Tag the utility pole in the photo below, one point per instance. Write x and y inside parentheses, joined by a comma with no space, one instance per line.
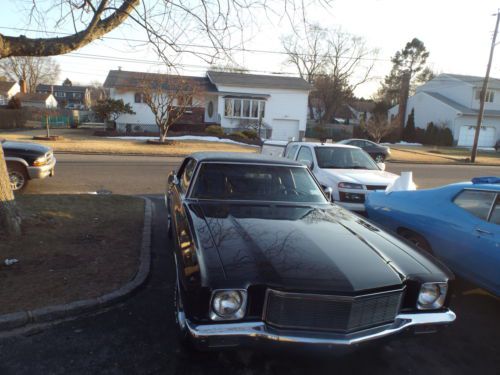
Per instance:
(482,95)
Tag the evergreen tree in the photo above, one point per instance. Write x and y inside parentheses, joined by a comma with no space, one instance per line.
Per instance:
(409,130)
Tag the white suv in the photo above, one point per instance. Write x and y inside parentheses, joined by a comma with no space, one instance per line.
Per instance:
(348,170)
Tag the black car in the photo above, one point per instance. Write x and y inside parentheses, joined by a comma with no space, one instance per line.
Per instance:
(262,256)
(378,152)
(26,161)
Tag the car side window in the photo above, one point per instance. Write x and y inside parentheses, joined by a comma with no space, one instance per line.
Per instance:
(495,214)
(187,174)
(305,154)
(290,151)
(477,202)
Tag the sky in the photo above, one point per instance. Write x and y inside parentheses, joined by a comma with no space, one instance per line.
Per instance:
(456,33)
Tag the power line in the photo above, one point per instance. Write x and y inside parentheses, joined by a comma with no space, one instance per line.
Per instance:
(238,49)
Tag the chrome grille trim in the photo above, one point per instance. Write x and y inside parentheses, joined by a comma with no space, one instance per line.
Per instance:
(355,312)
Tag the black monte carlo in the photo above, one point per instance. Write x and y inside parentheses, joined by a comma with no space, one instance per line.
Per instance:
(261,255)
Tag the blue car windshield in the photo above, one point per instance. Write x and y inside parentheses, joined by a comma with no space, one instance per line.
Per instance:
(256,182)
(344,158)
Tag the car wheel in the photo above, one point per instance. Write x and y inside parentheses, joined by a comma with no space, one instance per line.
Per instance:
(379,158)
(18,177)
(418,240)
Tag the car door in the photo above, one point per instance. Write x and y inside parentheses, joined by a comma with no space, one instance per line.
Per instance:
(475,236)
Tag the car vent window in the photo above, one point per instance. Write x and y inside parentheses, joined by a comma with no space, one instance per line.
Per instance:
(495,215)
(477,202)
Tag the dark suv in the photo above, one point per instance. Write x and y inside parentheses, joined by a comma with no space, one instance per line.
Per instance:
(26,161)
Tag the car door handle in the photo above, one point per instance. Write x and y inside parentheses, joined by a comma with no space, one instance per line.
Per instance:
(482,231)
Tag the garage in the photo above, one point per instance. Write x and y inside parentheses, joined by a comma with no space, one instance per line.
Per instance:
(285,130)
(487,136)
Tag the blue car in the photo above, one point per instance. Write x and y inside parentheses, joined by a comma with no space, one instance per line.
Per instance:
(458,223)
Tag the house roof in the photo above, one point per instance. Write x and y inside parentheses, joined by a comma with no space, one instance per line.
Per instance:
(131,80)
(6,86)
(255,80)
(49,88)
(33,97)
(461,108)
(474,80)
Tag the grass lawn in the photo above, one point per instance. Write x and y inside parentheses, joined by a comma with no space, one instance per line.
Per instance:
(73,247)
(83,140)
(430,154)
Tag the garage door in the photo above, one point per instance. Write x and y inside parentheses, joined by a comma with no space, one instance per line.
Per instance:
(285,130)
(487,136)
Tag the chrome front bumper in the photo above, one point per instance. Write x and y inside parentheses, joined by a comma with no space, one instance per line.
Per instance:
(42,171)
(208,336)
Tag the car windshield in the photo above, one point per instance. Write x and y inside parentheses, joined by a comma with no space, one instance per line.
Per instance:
(344,158)
(256,182)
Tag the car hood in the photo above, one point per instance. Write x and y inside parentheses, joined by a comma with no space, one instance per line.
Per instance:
(361,176)
(308,248)
(25,146)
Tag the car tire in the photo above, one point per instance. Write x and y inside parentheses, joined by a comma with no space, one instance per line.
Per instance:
(18,177)
(417,239)
(379,158)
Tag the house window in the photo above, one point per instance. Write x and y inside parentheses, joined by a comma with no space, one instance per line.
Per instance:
(210,108)
(76,95)
(489,97)
(244,108)
(59,94)
(138,97)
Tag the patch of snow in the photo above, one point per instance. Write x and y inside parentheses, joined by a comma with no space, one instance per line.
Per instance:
(186,138)
(402,143)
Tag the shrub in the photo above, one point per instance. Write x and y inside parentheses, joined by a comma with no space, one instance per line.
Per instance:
(214,130)
(409,130)
(239,135)
(420,135)
(446,137)
(14,103)
(250,134)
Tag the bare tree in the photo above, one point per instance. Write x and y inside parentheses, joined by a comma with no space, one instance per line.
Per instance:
(32,69)
(169,97)
(329,94)
(329,56)
(378,126)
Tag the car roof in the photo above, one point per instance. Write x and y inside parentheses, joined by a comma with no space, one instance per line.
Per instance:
(316,144)
(241,157)
(470,185)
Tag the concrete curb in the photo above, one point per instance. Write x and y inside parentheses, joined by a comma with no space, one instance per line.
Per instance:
(451,164)
(46,314)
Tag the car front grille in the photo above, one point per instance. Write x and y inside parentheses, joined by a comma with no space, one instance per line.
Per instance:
(330,313)
(376,187)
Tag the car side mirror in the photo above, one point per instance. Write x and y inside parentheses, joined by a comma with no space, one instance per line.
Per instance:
(328,192)
(381,166)
(175,180)
(308,163)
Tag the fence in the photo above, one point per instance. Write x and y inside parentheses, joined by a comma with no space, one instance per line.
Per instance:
(337,132)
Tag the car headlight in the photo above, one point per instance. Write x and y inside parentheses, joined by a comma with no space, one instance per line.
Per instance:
(348,185)
(432,296)
(228,304)
(42,160)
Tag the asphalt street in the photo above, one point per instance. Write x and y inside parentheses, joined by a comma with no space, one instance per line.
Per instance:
(137,337)
(147,175)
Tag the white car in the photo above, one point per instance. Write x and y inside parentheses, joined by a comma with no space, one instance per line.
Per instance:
(348,170)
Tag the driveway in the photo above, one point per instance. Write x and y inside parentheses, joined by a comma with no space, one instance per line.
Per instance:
(147,175)
(137,337)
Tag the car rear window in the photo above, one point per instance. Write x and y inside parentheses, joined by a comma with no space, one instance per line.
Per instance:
(256,182)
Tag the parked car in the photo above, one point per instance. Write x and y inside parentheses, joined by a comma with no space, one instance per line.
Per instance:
(347,170)
(458,223)
(261,255)
(27,161)
(497,146)
(378,152)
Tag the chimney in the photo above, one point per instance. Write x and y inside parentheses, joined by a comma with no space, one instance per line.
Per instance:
(22,83)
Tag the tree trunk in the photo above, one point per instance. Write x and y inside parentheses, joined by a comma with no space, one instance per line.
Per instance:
(162,136)
(403,101)
(10,220)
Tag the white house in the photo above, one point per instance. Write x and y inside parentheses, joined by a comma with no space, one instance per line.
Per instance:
(8,90)
(37,100)
(235,101)
(452,100)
